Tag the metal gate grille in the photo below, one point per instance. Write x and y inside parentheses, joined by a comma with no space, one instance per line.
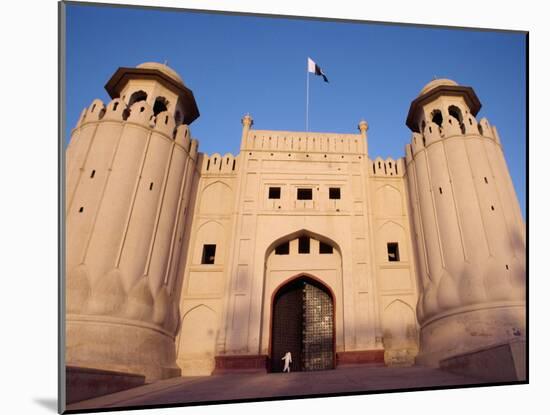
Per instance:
(303,324)
(317,341)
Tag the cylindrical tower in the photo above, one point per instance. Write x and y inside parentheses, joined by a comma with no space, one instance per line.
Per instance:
(468,228)
(127,167)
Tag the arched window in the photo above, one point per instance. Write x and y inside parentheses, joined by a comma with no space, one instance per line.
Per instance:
(136,97)
(455,112)
(160,105)
(437,117)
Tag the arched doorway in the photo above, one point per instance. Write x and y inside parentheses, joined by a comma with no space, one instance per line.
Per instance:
(303,324)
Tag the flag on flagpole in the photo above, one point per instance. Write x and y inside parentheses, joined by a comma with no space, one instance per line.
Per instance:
(314,68)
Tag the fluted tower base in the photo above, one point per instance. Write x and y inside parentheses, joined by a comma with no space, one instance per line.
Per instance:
(470,328)
(116,344)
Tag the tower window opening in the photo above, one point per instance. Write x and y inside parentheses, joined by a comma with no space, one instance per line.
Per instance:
(115,106)
(234,161)
(373,169)
(492,207)
(304,194)
(283,249)
(396,172)
(393,251)
(507,266)
(334,193)
(151,186)
(437,117)
(486,181)
(208,254)
(93,108)
(440,191)
(274,193)
(208,165)
(137,97)
(160,105)
(142,109)
(325,248)
(81,209)
(470,120)
(303,245)
(480,129)
(92,175)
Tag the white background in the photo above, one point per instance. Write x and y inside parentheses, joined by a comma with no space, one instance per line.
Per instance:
(28,180)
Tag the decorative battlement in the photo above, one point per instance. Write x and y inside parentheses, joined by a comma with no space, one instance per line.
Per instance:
(295,141)
(386,168)
(217,164)
(142,114)
(450,127)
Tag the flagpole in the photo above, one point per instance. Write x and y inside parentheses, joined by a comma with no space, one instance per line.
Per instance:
(307,98)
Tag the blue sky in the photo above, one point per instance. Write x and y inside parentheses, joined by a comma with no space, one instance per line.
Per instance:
(257,65)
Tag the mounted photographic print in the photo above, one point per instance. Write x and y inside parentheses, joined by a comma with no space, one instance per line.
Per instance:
(268,207)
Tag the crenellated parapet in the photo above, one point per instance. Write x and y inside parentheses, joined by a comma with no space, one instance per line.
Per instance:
(386,168)
(285,141)
(139,113)
(449,128)
(217,164)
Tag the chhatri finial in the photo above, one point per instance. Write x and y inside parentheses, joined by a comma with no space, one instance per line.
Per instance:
(363,125)
(247,120)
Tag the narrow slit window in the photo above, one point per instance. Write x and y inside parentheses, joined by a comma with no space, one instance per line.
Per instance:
(208,254)
(305,194)
(151,186)
(325,248)
(282,249)
(303,245)
(81,209)
(440,191)
(92,175)
(274,192)
(486,181)
(393,251)
(334,193)
(492,207)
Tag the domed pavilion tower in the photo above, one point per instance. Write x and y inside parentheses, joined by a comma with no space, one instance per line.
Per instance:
(468,227)
(130,166)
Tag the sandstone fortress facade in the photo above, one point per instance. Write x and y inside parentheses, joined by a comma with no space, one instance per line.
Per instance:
(182,263)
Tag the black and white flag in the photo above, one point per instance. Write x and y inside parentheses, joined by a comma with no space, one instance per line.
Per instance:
(314,68)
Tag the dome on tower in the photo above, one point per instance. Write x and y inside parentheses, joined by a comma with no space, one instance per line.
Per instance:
(165,69)
(435,83)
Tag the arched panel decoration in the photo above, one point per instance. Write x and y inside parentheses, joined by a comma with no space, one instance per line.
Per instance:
(392,233)
(198,340)
(210,233)
(216,199)
(399,326)
(388,201)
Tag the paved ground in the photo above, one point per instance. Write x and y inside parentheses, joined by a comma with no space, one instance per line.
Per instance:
(272,385)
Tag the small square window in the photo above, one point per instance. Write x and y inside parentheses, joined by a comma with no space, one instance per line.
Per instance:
(305,194)
(282,249)
(303,245)
(393,252)
(325,248)
(208,254)
(334,193)
(274,192)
